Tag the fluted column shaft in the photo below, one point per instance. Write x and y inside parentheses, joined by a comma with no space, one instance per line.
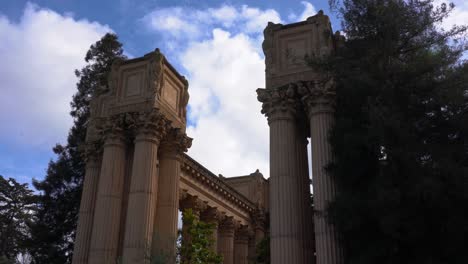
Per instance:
(241,247)
(226,241)
(86,214)
(321,120)
(306,211)
(167,206)
(106,223)
(141,200)
(286,205)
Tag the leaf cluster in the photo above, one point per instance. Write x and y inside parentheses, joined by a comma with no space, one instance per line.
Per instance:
(17,204)
(197,247)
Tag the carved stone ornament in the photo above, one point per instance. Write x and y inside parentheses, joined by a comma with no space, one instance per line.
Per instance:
(211,215)
(243,233)
(267,46)
(116,126)
(155,71)
(92,151)
(281,99)
(176,141)
(152,124)
(194,203)
(314,93)
(113,78)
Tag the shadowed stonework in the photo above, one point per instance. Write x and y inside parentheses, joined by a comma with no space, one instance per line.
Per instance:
(138,177)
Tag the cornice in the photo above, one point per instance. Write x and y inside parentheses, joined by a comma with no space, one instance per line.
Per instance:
(210,180)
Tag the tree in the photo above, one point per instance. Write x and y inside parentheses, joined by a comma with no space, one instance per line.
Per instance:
(263,251)
(400,140)
(16,207)
(58,204)
(199,250)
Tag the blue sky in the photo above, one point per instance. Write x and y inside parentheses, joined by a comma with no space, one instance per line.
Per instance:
(215,44)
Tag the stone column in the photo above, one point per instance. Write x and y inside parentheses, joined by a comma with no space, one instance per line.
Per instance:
(167,206)
(241,246)
(304,189)
(287,218)
(88,202)
(226,240)
(143,190)
(319,99)
(211,216)
(106,223)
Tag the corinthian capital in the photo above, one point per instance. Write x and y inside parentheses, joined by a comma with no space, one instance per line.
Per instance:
(115,127)
(176,142)
(280,100)
(151,124)
(92,152)
(317,95)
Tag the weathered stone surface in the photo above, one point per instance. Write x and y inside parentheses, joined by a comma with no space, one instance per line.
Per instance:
(137,175)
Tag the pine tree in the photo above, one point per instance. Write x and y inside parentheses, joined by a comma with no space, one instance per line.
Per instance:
(58,204)
(16,205)
(400,140)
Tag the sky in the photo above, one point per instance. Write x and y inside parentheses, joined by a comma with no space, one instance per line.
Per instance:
(215,44)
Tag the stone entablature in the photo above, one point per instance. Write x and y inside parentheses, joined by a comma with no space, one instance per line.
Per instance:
(196,180)
(253,186)
(142,84)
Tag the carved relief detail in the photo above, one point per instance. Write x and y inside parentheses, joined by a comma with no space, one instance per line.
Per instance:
(152,124)
(281,99)
(317,93)
(176,142)
(155,72)
(93,151)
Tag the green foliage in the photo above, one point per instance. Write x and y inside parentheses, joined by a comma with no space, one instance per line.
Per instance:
(263,251)
(16,207)
(198,250)
(400,140)
(54,229)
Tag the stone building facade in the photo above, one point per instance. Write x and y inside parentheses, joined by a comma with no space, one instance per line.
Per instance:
(138,175)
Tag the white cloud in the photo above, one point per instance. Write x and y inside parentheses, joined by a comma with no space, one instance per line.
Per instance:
(309,10)
(192,24)
(458,16)
(39,55)
(224,60)
(233,139)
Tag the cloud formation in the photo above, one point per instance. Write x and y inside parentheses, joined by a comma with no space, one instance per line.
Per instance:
(191,24)
(220,49)
(39,55)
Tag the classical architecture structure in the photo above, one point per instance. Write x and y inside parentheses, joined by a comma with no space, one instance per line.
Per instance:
(138,177)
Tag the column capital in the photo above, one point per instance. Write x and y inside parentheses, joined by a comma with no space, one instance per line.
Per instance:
(227,225)
(92,153)
(318,96)
(194,203)
(259,219)
(113,129)
(243,233)
(151,126)
(211,215)
(279,103)
(175,143)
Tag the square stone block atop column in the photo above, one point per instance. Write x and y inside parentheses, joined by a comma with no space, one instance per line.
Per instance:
(286,47)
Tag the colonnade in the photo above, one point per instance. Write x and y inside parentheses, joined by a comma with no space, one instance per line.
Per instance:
(130,190)
(231,239)
(295,111)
